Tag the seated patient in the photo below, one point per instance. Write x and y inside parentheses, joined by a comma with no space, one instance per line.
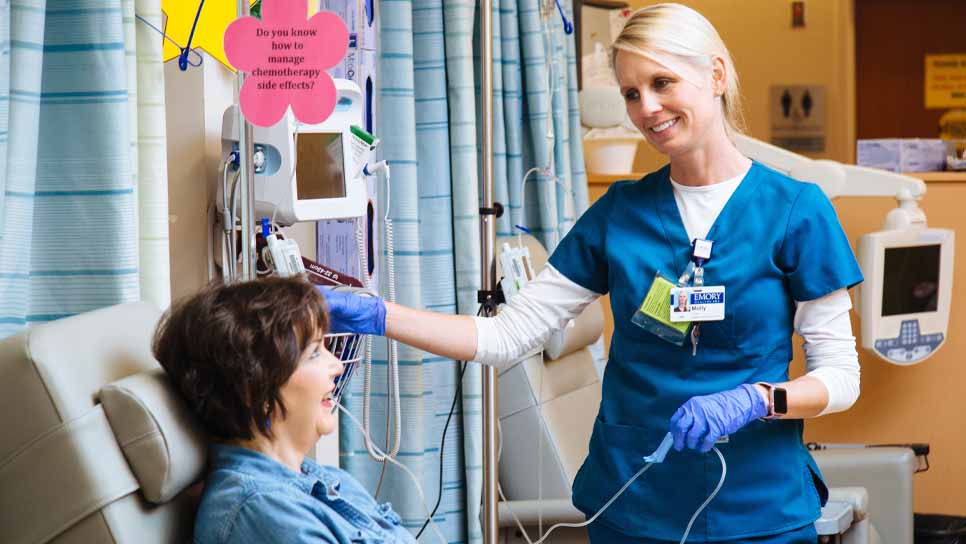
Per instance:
(250,361)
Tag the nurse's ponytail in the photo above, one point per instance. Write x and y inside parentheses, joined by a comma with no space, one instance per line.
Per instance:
(680,31)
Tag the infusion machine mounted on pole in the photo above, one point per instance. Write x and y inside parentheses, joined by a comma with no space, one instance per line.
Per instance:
(307,172)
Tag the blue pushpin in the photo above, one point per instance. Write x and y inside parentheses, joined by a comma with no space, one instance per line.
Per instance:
(183,57)
(568,26)
(266,229)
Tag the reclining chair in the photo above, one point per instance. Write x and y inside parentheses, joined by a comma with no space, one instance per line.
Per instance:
(95,447)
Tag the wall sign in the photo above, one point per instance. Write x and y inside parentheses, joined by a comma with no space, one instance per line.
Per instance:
(945,81)
(798,117)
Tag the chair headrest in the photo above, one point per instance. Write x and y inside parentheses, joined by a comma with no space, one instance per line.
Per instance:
(162,441)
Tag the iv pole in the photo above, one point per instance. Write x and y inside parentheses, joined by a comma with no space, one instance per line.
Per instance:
(488,271)
(246,152)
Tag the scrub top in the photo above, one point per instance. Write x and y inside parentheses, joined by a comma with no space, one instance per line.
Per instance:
(776,241)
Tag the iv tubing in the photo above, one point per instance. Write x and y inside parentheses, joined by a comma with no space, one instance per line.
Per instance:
(419,489)
(687,531)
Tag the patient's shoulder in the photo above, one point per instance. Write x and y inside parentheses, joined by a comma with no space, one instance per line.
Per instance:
(260,513)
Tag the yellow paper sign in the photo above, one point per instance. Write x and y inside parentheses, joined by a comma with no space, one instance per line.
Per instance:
(945,81)
(210,31)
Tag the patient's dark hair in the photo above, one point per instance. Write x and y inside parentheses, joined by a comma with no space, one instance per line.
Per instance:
(229,349)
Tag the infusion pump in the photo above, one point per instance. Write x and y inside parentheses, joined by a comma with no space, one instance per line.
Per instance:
(307,172)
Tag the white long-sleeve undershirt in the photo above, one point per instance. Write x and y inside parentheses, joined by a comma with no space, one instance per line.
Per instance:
(551,300)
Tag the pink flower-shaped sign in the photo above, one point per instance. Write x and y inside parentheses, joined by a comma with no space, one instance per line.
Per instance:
(286,57)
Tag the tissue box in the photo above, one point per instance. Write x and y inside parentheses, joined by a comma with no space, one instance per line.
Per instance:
(902,155)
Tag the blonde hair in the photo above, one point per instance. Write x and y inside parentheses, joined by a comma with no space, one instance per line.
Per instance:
(682,32)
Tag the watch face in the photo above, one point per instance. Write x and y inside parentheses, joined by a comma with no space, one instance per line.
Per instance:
(781,400)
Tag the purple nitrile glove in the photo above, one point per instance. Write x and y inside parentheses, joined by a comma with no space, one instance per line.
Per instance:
(701,421)
(349,312)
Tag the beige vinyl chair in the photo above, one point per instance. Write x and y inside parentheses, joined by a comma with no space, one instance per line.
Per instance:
(95,447)
(555,394)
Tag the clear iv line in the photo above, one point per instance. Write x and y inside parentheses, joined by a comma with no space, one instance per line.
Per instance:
(419,489)
(687,531)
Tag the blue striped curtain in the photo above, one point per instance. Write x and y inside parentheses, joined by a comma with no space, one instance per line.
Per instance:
(428,104)
(69,209)
(535,94)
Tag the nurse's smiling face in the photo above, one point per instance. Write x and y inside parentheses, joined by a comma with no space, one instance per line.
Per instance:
(675,115)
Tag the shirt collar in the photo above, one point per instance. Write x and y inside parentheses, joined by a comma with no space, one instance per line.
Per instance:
(259,465)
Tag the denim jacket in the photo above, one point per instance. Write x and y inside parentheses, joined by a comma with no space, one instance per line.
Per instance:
(251,498)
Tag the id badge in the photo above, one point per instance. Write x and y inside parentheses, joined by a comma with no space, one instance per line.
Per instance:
(654,315)
(706,303)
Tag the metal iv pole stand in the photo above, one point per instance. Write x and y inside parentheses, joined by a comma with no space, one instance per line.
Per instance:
(488,271)
(246,152)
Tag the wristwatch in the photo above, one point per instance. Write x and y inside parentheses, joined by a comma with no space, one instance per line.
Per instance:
(777,401)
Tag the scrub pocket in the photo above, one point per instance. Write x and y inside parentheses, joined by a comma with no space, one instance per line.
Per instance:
(718,334)
(769,488)
(660,502)
(815,481)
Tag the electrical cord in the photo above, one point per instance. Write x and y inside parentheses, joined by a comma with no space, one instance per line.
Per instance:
(419,489)
(232,247)
(458,394)
(393,410)
(392,363)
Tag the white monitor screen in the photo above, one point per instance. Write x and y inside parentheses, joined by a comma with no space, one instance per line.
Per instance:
(910,284)
(320,169)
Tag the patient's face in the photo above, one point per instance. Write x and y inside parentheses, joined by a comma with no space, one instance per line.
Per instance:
(307,393)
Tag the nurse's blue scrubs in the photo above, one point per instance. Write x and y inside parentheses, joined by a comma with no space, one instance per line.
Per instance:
(776,241)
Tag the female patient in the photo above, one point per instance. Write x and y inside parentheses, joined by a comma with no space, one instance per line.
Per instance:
(249,359)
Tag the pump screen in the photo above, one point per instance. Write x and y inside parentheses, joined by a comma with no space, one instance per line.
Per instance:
(320,169)
(910,283)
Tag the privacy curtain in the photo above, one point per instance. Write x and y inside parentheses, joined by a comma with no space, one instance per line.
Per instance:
(428,119)
(81,145)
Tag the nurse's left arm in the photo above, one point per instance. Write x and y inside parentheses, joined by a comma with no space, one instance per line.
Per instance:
(832,364)
(831,384)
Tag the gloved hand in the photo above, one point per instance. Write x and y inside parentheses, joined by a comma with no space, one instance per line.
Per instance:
(349,312)
(701,421)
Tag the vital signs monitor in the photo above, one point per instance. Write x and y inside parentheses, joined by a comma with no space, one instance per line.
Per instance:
(905,299)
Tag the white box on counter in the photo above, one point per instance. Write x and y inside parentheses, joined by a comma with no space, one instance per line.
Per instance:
(902,154)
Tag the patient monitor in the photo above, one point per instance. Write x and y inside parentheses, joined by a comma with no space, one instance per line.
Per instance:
(908,267)
(907,292)
(306,172)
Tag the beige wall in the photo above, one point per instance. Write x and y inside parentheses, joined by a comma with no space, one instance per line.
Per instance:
(196,100)
(767,51)
(922,403)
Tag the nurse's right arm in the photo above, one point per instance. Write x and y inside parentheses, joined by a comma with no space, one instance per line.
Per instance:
(543,306)
(575,276)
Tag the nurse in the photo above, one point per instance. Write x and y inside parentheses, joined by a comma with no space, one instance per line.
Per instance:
(749,232)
